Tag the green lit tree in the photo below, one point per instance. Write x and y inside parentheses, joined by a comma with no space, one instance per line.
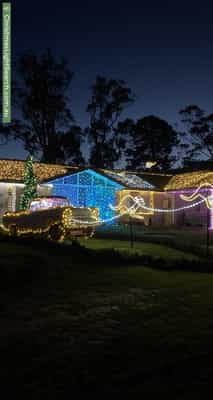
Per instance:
(30,188)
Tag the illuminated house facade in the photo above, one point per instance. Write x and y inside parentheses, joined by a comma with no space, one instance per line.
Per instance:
(88,188)
(193,196)
(150,199)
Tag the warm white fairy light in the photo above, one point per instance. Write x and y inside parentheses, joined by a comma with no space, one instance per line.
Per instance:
(131,180)
(168,210)
(197,194)
(139,203)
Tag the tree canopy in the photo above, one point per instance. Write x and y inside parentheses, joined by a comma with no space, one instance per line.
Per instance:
(46,124)
(47,129)
(152,140)
(108,100)
(197,140)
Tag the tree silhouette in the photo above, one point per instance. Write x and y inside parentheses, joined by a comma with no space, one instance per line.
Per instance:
(7,131)
(108,100)
(198,140)
(152,140)
(46,127)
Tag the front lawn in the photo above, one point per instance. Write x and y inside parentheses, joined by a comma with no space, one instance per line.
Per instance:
(191,239)
(71,324)
(150,249)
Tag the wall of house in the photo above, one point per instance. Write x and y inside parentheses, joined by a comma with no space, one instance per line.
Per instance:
(45,190)
(193,216)
(163,201)
(89,189)
(8,199)
(197,215)
(10,195)
(155,201)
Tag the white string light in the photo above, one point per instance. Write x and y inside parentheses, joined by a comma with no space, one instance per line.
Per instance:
(208,199)
(105,221)
(169,210)
(138,203)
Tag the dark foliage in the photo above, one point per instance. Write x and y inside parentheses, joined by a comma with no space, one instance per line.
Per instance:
(108,100)
(46,128)
(152,140)
(197,141)
(8,131)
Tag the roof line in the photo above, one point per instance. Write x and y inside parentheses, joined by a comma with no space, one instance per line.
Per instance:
(40,162)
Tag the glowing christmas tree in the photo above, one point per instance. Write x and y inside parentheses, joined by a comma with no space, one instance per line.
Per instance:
(30,182)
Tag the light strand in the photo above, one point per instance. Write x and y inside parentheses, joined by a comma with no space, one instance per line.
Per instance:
(139,203)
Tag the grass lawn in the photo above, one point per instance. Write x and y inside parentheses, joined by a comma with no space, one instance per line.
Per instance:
(72,324)
(186,238)
(151,249)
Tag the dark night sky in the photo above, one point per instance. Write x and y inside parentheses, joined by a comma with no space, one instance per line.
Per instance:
(162,49)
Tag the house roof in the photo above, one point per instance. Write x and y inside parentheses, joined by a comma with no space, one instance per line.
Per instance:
(159,181)
(13,171)
(190,180)
(127,179)
(141,181)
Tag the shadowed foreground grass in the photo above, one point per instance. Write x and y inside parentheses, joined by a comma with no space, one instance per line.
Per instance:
(71,324)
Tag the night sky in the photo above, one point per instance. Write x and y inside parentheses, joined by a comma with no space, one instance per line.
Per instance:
(162,49)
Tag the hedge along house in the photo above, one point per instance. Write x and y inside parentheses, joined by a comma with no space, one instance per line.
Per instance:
(114,192)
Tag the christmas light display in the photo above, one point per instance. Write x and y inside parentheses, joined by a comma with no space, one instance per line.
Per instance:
(13,170)
(114,193)
(89,189)
(211,217)
(138,203)
(130,180)
(48,202)
(30,185)
(206,188)
(130,211)
(57,222)
(198,194)
(189,180)
(126,199)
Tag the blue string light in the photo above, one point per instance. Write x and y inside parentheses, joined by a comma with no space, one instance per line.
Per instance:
(89,189)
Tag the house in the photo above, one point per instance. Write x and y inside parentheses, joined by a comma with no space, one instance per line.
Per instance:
(150,198)
(12,181)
